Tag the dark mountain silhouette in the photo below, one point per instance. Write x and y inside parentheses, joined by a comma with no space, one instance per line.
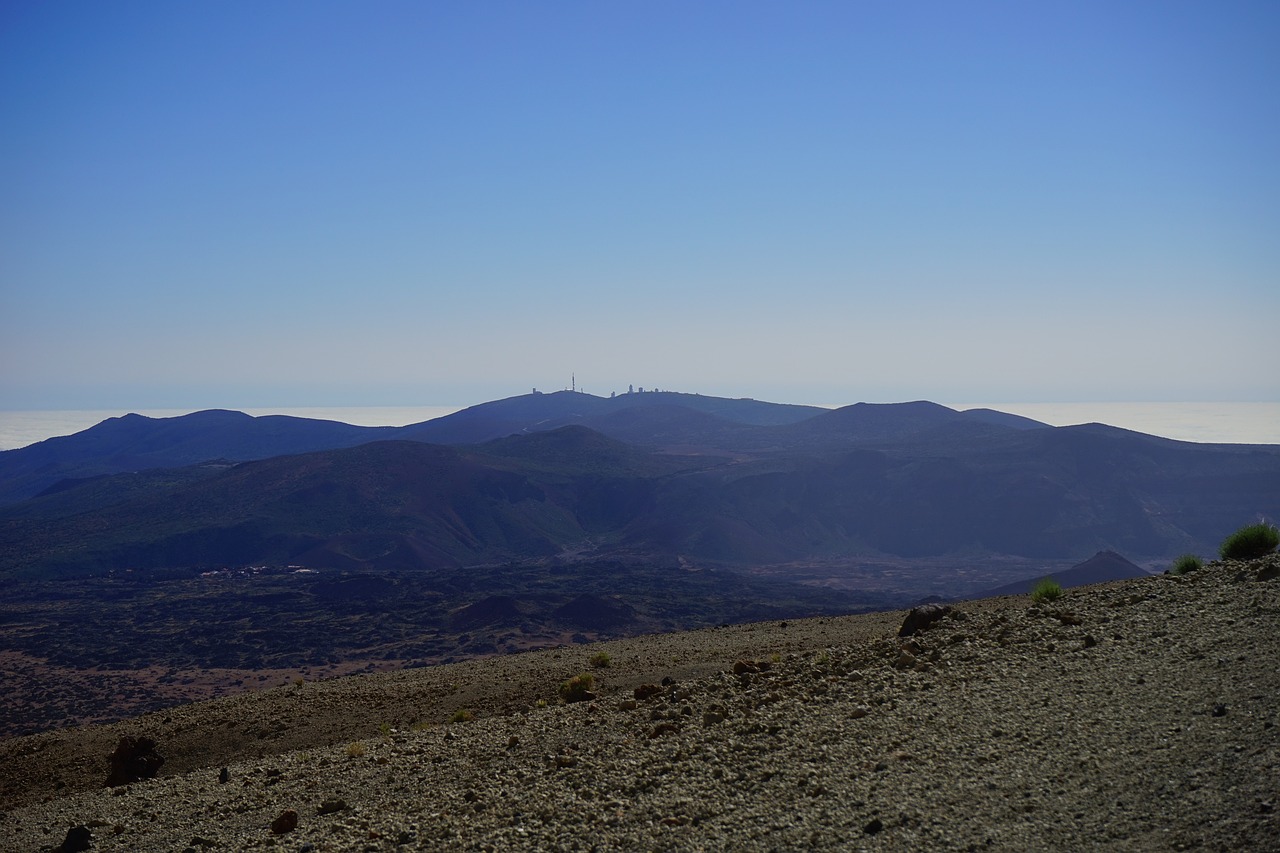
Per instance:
(535,412)
(952,487)
(595,613)
(137,443)
(384,505)
(991,416)
(864,422)
(1102,567)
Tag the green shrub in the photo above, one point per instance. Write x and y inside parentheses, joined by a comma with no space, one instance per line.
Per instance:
(600,659)
(1250,542)
(578,688)
(462,715)
(1186,563)
(1045,591)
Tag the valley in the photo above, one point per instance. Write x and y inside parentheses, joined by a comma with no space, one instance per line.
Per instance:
(96,650)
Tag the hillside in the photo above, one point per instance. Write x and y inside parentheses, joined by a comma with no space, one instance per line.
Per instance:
(915,481)
(1133,715)
(135,443)
(1101,567)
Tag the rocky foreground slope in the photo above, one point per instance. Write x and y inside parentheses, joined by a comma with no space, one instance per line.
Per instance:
(1140,715)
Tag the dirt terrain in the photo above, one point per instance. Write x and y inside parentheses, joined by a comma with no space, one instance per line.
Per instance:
(1136,715)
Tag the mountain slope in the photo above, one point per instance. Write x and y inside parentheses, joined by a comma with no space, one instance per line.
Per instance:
(136,443)
(380,505)
(1038,493)
(533,412)
(1102,567)
(999,730)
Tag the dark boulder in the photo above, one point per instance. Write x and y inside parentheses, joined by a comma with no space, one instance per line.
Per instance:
(922,618)
(135,759)
(286,822)
(78,838)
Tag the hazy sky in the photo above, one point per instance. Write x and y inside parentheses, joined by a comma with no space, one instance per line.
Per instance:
(318,203)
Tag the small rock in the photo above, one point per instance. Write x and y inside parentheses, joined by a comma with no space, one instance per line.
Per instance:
(286,822)
(628,705)
(873,827)
(224,776)
(714,714)
(645,692)
(78,838)
(331,806)
(1219,710)
(664,729)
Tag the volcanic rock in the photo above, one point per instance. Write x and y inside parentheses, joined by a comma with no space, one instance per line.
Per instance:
(922,618)
(134,759)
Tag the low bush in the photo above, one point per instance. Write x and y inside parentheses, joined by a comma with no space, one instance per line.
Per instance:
(1046,590)
(462,715)
(1250,542)
(600,659)
(578,688)
(1186,563)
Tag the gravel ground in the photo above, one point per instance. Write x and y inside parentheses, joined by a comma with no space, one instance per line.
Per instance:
(1139,715)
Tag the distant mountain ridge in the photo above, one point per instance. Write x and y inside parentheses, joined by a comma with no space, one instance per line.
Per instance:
(134,443)
(836,485)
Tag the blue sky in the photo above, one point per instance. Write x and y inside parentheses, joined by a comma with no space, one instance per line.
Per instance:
(316,203)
